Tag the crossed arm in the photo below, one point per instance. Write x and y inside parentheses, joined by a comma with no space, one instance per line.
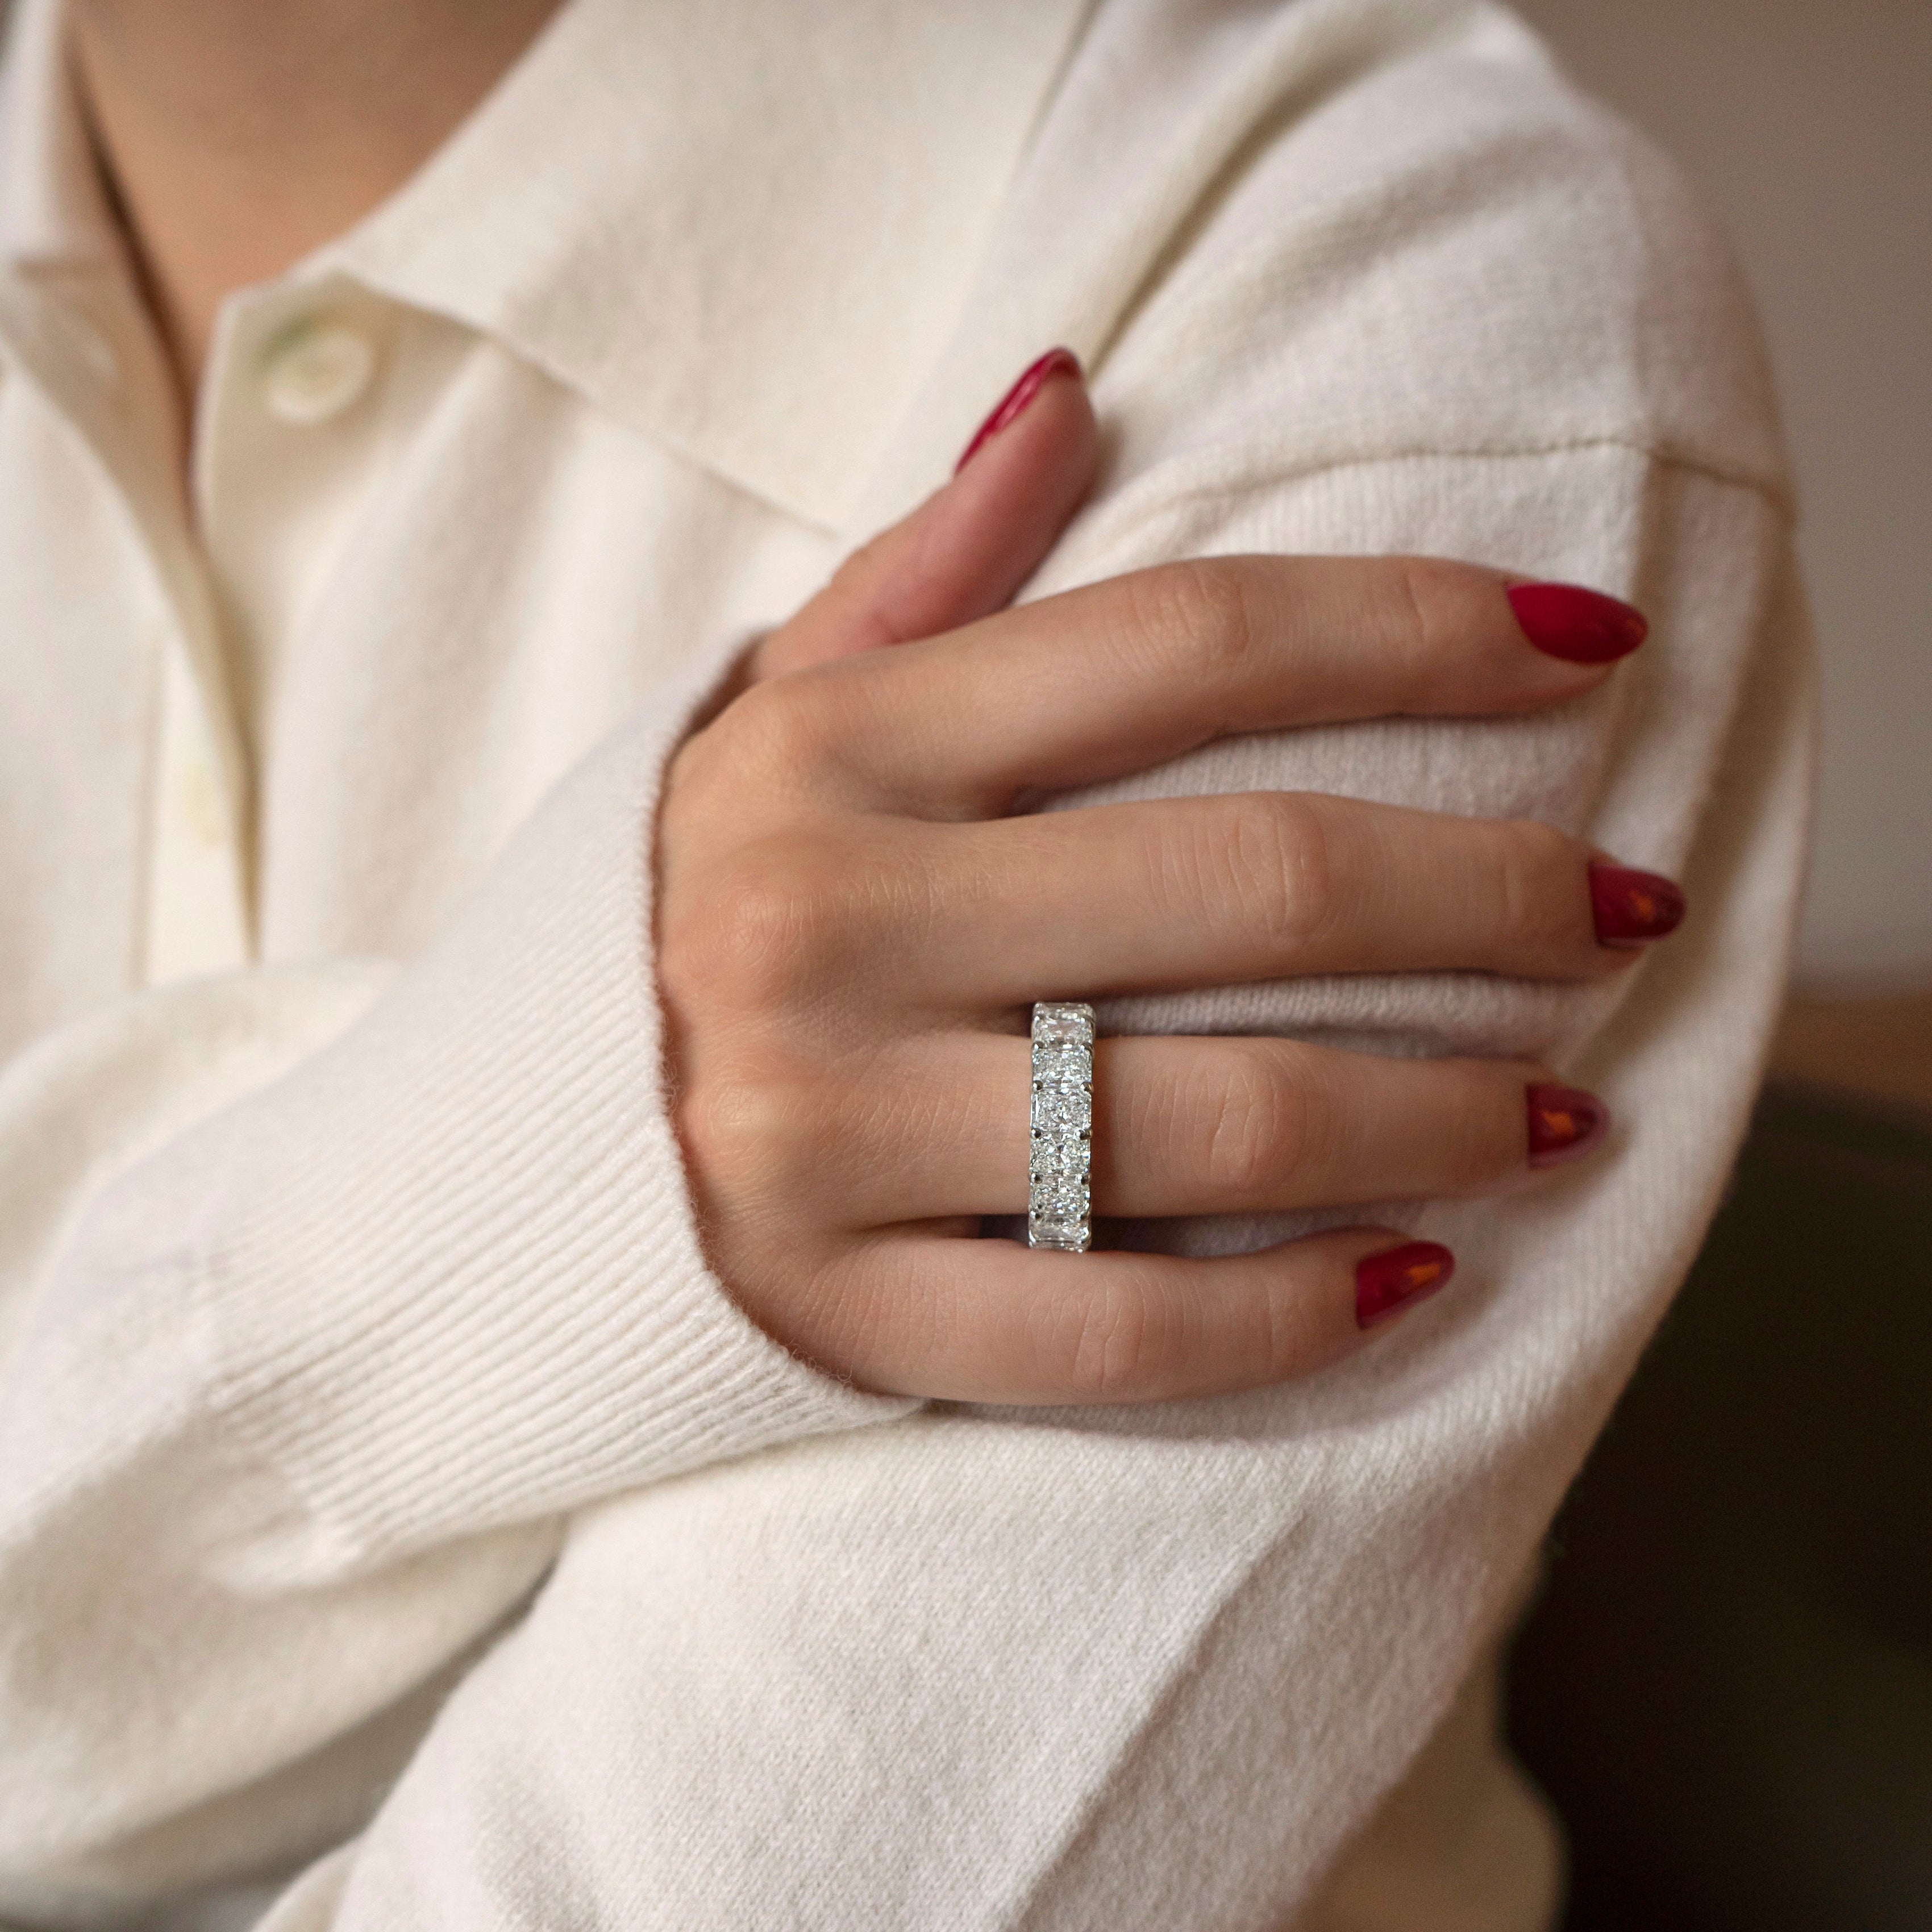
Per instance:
(991,1666)
(977,1666)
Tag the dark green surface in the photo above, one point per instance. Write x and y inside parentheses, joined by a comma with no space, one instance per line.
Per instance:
(1726,1685)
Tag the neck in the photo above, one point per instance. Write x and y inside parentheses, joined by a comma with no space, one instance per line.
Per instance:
(239,135)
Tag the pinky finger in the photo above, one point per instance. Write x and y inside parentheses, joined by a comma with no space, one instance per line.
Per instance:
(993,1321)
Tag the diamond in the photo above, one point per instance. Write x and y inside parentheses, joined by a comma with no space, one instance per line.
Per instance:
(1062,1066)
(1062,1110)
(1071,1236)
(1063,1164)
(1058,1198)
(1063,1023)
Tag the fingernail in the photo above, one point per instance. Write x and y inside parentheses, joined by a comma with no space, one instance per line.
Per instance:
(1580,626)
(1012,405)
(1630,904)
(1394,1280)
(1564,1123)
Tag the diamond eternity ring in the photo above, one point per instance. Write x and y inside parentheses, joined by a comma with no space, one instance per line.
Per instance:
(1059,1172)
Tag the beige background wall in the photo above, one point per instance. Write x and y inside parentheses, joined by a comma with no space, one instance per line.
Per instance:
(1810,122)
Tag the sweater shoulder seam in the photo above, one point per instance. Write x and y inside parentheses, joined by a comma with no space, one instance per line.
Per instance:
(1773,489)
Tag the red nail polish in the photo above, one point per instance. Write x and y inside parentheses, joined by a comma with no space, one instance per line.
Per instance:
(1013,404)
(1580,626)
(1629,904)
(1397,1277)
(1564,1123)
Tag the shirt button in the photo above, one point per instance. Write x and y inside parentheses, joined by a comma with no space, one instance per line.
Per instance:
(315,369)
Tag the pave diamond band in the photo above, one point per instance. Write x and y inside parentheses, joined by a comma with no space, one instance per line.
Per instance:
(1059,1172)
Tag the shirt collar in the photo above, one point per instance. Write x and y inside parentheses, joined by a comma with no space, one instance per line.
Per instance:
(53,211)
(744,226)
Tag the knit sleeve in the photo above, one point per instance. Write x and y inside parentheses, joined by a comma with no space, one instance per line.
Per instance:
(327,1291)
(1365,279)
(1158,1667)
(1074,1672)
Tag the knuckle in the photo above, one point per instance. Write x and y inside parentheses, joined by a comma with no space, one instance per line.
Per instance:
(1540,902)
(1119,1340)
(740,1131)
(861,568)
(875,581)
(1200,613)
(1275,862)
(759,935)
(1267,1121)
(771,735)
(1427,596)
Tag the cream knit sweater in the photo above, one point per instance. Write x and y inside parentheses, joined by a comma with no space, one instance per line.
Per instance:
(384,1478)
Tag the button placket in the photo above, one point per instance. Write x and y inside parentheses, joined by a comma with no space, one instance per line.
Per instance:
(284,441)
(197,920)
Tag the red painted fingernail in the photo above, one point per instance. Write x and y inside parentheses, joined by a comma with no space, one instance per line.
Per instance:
(1579,625)
(1564,1123)
(1629,904)
(1012,405)
(1393,1280)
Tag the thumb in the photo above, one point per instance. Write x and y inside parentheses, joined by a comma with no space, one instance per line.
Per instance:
(970,546)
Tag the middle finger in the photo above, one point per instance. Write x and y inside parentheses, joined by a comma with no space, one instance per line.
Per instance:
(1204,891)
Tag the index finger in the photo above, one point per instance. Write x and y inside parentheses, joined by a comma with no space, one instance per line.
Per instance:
(1122,675)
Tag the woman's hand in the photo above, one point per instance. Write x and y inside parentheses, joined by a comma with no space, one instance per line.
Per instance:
(853,926)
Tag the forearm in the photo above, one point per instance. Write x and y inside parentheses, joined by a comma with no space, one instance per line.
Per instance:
(1328,339)
(1154,1666)
(329,1292)
(1434,1482)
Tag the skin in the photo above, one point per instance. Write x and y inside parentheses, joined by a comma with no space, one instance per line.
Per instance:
(240,135)
(853,917)
(853,921)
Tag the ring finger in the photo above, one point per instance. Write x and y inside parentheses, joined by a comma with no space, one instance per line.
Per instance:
(1212,1125)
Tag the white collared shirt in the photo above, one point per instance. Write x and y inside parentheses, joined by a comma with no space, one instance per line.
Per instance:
(349,1295)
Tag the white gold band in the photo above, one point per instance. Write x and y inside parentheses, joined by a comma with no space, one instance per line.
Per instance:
(1059,1172)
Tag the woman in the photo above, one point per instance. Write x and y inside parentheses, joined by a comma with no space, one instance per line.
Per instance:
(495,1045)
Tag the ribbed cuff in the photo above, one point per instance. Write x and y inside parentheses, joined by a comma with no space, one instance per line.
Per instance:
(456,1274)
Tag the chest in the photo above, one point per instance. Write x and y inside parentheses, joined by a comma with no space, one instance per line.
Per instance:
(415,618)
